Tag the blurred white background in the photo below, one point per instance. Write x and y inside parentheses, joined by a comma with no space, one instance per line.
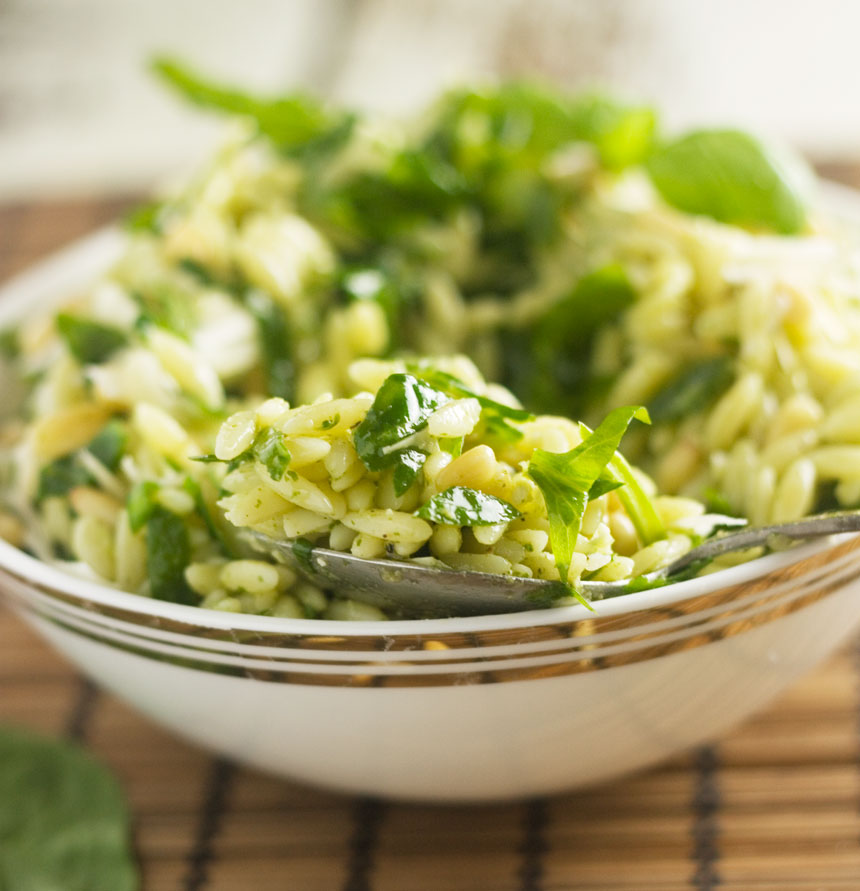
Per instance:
(80,114)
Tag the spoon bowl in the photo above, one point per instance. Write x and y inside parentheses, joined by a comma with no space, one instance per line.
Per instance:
(410,590)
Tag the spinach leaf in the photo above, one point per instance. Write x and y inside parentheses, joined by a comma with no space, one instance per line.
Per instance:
(269,448)
(64,822)
(276,344)
(88,341)
(168,552)
(692,389)
(295,124)
(140,504)
(566,479)
(733,177)
(108,446)
(402,406)
(461,506)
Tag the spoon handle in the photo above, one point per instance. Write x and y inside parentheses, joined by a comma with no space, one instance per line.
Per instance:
(809,527)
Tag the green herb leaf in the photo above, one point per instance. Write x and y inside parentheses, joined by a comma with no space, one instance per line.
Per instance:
(622,134)
(692,390)
(10,346)
(88,341)
(108,446)
(406,469)
(402,406)
(293,123)
(168,552)
(60,477)
(270,449)
(302,548)
(461,506)
(145,218)
(635,499)
(276,344)
(733,177)
(63,819)
(566,479)
(204,511)
(140,504)
(453,386)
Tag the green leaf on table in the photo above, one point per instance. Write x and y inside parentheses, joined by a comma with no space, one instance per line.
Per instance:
(296,124)
(64,822)
(461,506)
(733,177)
(565,480)
(88,341)
(168,552)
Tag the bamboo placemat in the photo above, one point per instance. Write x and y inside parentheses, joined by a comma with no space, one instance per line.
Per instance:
(775,806)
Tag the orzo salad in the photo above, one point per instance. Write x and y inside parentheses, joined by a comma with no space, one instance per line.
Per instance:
(300,342)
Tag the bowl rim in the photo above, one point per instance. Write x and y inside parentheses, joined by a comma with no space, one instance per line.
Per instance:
(77,265)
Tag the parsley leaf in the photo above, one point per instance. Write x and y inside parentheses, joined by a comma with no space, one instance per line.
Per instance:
(566,479)
(692,389)
(402,407)
(461,506)
(269,448)
(141,503)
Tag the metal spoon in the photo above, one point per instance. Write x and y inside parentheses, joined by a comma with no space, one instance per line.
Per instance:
(412,590)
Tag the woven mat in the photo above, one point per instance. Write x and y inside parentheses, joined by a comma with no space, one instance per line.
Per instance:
(775,806)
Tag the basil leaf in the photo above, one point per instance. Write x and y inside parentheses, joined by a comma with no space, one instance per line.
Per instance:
(732,177)
(64,821)
(88,341)
(276,344)
(295,124)
(269,448)
(692,389)
(566,479)
(461,506)
(168,552)
(402,407)
(108,446)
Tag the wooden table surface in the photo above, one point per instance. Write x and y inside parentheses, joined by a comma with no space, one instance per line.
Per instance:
(775,806)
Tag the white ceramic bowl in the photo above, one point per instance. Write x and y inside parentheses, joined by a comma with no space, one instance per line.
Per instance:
(452,709)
